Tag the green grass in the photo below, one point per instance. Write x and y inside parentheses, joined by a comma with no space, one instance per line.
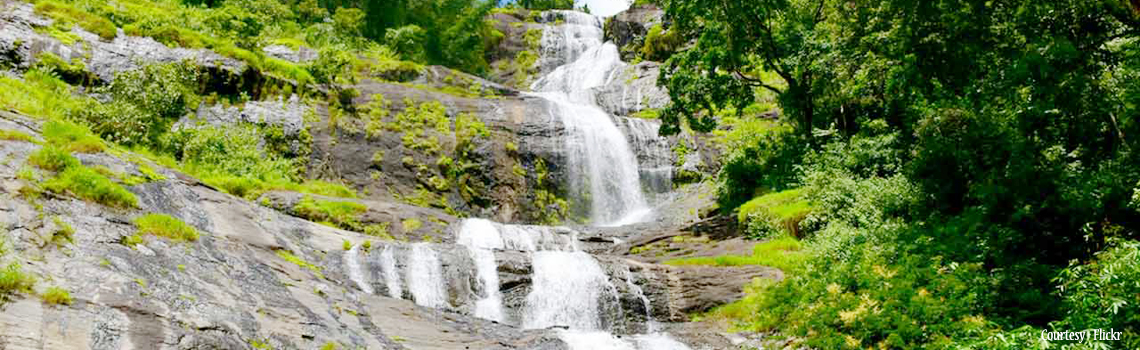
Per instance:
(89,185)
(288,256)
(167,226)
(14,135)
(340,214)
(53,159)
(72,137)
(56,296)
(647,114)
(779,210)
(14,280)
(783,253)
(40,95)
(69,14)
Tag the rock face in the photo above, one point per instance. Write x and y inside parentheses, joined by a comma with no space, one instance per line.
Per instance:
(228,289)
(627,29)
(632,90)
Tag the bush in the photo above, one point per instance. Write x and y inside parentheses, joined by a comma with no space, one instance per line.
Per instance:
(1104,294)
(146,103)
(167,226)
(660,43)
(87,184)
(773,152)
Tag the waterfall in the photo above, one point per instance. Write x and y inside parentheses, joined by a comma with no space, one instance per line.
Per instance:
(602,166)
(355,274)
(425,276)
(391,274)
(567,291)
(481,237)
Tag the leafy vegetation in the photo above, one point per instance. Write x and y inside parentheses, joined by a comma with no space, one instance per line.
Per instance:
(340,214)
(783,253)
(968,164)
(14,280)
(166,226)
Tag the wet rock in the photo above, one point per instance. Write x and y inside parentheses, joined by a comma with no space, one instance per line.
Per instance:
(632,89)
(433,223)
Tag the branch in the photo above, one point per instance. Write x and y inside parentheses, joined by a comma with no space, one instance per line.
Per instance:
(755,82)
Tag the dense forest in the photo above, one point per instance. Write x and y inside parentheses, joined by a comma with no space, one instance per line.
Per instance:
(968,166)
(954,174)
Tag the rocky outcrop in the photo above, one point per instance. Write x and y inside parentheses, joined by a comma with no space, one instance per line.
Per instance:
(432,224)
(627,29)
(632,89)
(301,54)
(229,289)
(288,114)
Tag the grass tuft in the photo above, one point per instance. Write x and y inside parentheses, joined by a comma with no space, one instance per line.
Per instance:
(90,185)
(56,296)
(783,253)
(163,225)
(14,280)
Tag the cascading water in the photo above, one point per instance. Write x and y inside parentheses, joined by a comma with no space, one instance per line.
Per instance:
(481,237)
(425,276)
(567,291)
(391,274)
(601,164)
(355,273)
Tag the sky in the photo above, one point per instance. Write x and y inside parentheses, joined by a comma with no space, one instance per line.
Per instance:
(604,7)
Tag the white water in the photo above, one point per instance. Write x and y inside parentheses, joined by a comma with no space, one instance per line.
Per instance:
(425,276)
(596,340)
(601,164)
(352,264)
(567,291)
(481,237)
(391,274)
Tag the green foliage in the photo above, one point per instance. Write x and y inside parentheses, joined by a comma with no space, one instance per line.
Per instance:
(68,14)
(408,41)
(40,95)
(53,159)
(16,135)
(147,102)
(773,213)
(542,5)
(56,296)
(1104,293)
(660,43)
(74,71)
(647,114)
(14,280)
(341,214)
(229,158)
(71,137)
(784,253)
(288,256)
(167,226)
(87,184)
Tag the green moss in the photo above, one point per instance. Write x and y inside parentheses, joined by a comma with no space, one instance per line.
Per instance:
(56,296)
(288,256)
(346,245)
(90,185)
(132,240)
(167,226)
(651,113)
(63,233)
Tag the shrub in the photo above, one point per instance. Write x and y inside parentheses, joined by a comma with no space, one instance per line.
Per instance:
(784,253)
(660,43)
(90,185)
(56,296)
(167,226)
(147,101)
